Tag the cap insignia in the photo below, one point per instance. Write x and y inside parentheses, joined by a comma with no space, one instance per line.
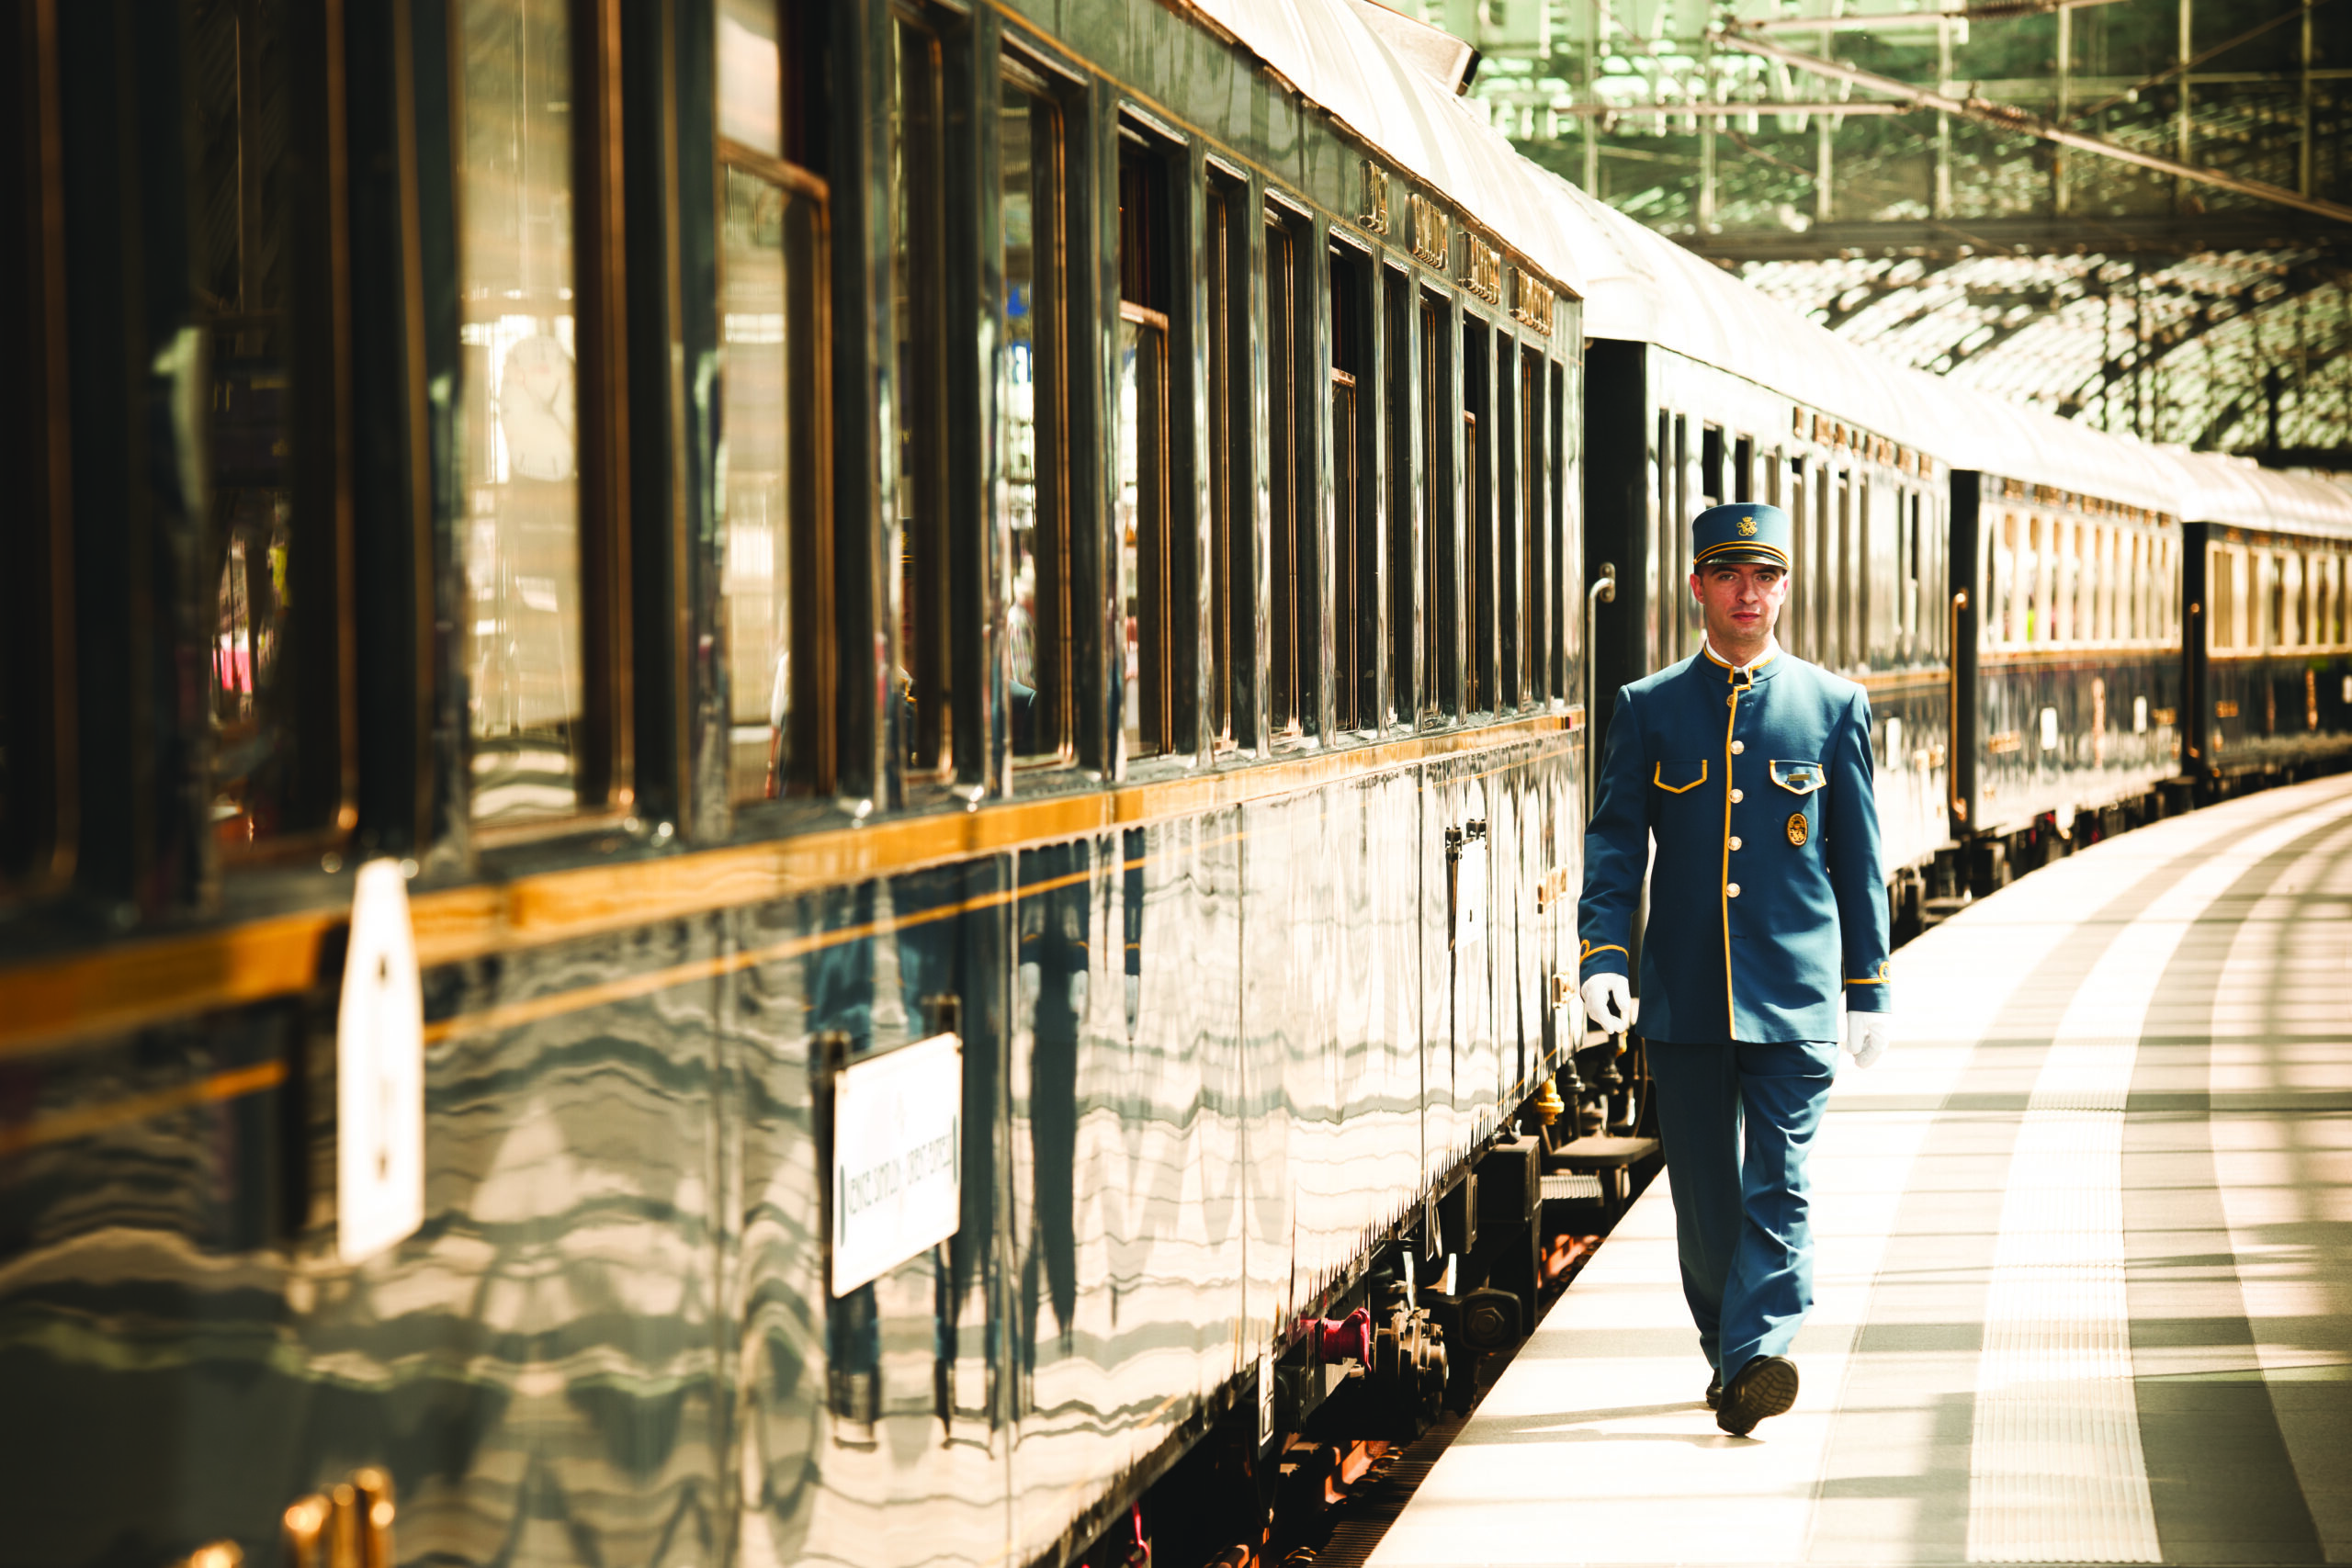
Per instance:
(1747,527)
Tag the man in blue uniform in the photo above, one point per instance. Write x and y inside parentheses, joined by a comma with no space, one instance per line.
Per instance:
(1750,770)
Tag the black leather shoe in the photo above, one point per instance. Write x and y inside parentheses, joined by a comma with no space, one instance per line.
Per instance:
(1766,1386)
(1715,1391)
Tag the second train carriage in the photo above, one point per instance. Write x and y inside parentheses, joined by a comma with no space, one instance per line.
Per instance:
(2011,588)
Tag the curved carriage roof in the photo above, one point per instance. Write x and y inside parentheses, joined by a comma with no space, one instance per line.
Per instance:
(1325,49)
(1642,287)
(1639,286)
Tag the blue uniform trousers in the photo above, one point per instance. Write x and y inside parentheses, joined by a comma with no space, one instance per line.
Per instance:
(1738,1122)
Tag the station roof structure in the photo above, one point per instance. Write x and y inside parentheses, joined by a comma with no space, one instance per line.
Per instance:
(2136,213)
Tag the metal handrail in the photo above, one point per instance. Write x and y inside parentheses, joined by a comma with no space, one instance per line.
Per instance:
(1603,591)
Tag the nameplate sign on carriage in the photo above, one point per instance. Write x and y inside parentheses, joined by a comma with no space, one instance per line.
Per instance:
(897,1185)
(379,1072)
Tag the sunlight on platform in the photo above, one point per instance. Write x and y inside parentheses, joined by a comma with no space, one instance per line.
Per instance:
(2086,1258)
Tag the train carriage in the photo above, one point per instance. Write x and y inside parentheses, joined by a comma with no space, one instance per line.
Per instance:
(2266,652)
(2009,587)
(800,531)
(796,535)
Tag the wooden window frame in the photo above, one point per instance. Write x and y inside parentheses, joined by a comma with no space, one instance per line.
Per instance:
(814,633)
(320,424)
(606,792)
(1566,606)
(1482,669)
(1294,617)
(1355,509)
(1528,493)
(924,565)
(1228,723)
(1058,636)
(1438,345)
(1150,176)
(39,835)
(1399,422)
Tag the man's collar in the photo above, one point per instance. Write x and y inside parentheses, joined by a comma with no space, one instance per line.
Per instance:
(1753,669)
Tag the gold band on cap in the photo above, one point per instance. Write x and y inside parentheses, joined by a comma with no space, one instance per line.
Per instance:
(1757,546)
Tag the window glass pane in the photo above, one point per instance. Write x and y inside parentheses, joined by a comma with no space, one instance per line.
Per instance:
(917,252)
(771,495)
(750,75)
(1142,535)
(1146,558)
(1029,220)
(1478,675)
(1403,679)
(1223,476)
(268,776)
(1530,609)
(1353,661)
(1286,687)
(1351,656)
(523,655)
(1437,585)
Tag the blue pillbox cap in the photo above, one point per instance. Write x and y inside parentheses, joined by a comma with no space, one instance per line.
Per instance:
(1744,531)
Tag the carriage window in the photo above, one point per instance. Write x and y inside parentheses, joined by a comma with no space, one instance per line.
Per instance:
(1914,575)
(2001,618)
(2142,573)
(1743,469)
(2116,562)
(1290,684)
(2225,622)
(277,753)
(1228,345)
(1440,595)
(1532,613)
(37,750)
(1503,443)
(1478,519)
(1799,602)
(2067,552)
(1712,489)
(1821,625)
(2034,571)
(1406,681)
(526,649)
(1147,562)
(916,210)
(1355,569)
(1030,216)
(1563,615)
(774,499)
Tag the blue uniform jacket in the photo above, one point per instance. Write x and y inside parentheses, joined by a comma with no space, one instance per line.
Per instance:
(1767,898)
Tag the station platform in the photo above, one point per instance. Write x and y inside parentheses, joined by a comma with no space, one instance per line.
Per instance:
(2084,1265)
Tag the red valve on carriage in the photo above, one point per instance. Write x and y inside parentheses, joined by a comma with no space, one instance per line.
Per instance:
(1344,1339)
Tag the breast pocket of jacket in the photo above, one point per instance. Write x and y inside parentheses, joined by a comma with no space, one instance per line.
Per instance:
(1802,781)
(1680,778)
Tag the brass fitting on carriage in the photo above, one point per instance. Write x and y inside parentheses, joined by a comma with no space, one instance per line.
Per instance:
(349,1526)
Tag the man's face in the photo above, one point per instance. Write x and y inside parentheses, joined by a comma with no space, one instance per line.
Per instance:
(1742,600)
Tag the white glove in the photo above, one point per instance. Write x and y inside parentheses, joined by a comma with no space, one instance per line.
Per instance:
(1609,1002)
(1868,1034)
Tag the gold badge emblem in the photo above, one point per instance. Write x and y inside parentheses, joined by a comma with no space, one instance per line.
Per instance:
(1798,832)
(1747,527)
